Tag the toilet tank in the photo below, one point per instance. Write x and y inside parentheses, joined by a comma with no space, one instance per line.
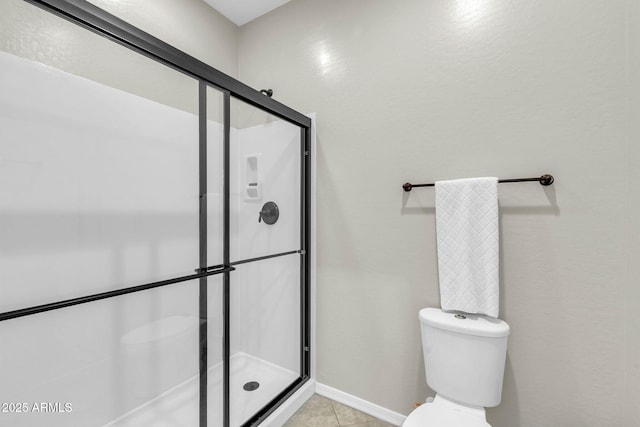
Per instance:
(464,355)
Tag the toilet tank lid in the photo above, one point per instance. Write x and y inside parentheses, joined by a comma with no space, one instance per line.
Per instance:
(471,324)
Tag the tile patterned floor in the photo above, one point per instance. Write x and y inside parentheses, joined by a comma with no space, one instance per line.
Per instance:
(319,411)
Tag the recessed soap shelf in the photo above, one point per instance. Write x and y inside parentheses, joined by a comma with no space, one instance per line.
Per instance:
(252,185)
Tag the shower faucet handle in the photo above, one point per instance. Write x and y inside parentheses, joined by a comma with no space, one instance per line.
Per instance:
(269,213)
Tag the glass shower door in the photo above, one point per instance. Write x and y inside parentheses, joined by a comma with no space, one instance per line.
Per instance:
(99,151)
(265,289)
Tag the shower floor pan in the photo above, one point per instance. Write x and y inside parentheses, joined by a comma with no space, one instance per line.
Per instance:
(178,407)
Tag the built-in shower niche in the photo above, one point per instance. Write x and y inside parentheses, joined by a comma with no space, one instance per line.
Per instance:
(252,184)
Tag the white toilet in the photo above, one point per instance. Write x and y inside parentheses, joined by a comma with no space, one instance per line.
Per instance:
(464,357)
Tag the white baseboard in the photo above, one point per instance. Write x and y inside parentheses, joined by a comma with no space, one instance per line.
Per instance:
(362,405)
(288,408)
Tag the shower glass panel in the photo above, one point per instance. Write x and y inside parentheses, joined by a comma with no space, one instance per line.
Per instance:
(265,321)
(125,361)
(215,178)
(266,168)
(98,191)
(265,333)
(215,206)
(98,163)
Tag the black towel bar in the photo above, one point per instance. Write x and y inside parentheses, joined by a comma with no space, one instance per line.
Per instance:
(545,180)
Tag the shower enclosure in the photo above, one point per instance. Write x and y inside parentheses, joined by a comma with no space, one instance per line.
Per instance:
(154,230)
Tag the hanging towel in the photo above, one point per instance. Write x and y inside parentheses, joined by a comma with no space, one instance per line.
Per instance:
(467,235)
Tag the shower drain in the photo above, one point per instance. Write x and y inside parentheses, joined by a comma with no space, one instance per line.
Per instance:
(251,385)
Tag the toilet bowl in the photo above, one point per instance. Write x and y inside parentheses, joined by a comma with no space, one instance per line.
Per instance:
(464,358)
(446,413)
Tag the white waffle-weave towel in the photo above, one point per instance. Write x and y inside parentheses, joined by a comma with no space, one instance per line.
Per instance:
(468,244)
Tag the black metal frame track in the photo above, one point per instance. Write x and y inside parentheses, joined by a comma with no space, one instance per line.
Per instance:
(99,21)
(87,15)
(202,230)
(29,311)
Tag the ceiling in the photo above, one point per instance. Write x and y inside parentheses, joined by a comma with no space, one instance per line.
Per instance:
(242,11)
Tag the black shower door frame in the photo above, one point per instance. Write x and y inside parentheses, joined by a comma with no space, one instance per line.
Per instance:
(87,15)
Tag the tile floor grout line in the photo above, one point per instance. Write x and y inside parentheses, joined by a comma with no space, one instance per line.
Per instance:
(335,414)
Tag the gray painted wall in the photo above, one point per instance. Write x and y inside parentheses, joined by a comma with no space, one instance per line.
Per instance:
(632,227)
(425,90)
